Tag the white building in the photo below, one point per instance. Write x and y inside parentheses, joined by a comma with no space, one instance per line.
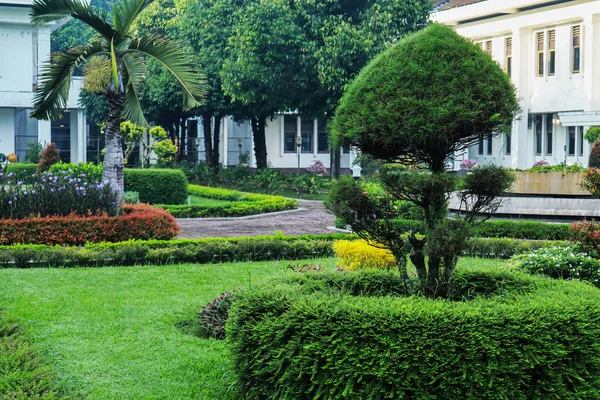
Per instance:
(22,48)
(551,50)
(281,134)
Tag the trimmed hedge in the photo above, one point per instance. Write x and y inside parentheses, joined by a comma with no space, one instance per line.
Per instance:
(335,336)
(157,186)
(532,230)
(242,204)
(139,221)
(213,250)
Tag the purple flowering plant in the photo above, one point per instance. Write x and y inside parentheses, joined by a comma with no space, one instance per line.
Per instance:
(468,164)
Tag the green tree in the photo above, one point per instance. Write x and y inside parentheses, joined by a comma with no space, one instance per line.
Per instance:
(75,32)
(430,95)
(116,43)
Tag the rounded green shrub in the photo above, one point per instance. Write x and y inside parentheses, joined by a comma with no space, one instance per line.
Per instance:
(157,186)
(22,171)
(504,335)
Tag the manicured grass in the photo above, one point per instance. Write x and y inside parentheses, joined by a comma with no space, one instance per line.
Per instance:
(110,333)
(203,201)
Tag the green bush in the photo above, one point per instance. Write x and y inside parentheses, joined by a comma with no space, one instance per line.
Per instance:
(89,171)
(340,223)
(506,248)
(242,204)
(157,186)
(336,336)
(131,197)
(22,171)
(560,263)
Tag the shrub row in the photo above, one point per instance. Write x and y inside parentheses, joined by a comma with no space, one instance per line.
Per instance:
(532,230)
(242,204)
(136,222)
(211,250)
(22,171)
(335,336)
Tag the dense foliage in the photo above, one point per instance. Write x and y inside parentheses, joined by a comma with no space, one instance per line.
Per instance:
(591,181)
(213,316)
(21,171)
(358,254)
(594,160)
(135,222)
(335,335)
(49,157)
(157,186)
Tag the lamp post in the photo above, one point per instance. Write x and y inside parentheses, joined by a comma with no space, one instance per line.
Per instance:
(298,146)
(240,143)
(356,170)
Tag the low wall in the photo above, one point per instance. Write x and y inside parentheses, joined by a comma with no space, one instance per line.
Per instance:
(545,206)
(555,183)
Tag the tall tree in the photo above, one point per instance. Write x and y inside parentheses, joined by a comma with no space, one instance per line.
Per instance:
(117,44)
(266,68)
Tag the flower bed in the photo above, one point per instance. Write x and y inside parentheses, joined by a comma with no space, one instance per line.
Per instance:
(241,204)
(136,222)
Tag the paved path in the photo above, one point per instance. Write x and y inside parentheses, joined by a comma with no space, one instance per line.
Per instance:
(310,218)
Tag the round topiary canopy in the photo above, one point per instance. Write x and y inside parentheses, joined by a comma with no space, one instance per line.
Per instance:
(427,96)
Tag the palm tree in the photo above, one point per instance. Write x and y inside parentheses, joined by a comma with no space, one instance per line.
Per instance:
(126,54)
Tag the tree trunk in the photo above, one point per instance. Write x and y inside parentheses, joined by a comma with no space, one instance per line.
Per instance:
(260,142)
(216,140)
(207,131)
(335,162)
(113,157)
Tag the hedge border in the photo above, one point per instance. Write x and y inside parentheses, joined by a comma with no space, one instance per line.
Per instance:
(334,336)
(216,250)
(243,204)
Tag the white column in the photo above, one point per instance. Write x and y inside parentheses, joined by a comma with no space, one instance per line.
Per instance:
(74,136)
(7,130)
(44,132)
(252,160)
(591,35)
(82,135)
(522,155)
(43,54)
(224,138)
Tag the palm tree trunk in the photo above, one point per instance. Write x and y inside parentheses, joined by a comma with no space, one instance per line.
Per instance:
(113,157)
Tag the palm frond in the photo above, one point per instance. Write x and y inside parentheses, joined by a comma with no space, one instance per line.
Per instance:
(176,61)
(135,68)
(126,11)
(45,11)
(55,80)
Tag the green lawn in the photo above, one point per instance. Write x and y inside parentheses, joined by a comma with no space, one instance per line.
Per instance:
(110,333)
(203,201)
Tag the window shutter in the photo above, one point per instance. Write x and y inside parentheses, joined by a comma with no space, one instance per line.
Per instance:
(508,47)
(551,39)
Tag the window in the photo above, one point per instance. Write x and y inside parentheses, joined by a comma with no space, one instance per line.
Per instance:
(289,133)
(322,137)
(576,49)
(549,135)
(580,140)
(508,55)
(488,47)
(507,144)
(480,146)
(540,54)
(538,135)
(571,141)
(307,131)
(489,145)
(551,52)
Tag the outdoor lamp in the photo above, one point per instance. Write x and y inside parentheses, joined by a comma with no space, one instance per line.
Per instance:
(298,145)
(356,169)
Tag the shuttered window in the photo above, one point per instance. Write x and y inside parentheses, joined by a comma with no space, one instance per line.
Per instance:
(551,52)
(540,54)
(576,62)
(508,56)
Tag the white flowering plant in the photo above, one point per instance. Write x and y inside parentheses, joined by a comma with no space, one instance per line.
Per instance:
(560,263)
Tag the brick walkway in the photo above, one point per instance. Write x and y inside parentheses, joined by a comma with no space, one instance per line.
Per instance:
(310,218)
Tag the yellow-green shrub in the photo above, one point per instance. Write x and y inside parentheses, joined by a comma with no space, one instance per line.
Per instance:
(359,254)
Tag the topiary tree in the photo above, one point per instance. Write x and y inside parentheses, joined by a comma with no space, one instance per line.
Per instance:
(425,98)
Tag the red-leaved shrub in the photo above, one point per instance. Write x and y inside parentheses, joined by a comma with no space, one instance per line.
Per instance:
(591,181)
(139,221)
(587,235)
(48,158)
(594,160)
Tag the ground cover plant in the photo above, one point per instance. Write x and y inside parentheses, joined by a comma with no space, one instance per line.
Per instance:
(113,333)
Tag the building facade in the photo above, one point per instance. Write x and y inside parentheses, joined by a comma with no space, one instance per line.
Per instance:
(23,48)
(551,51)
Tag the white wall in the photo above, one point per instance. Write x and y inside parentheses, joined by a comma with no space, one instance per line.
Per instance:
(7,130)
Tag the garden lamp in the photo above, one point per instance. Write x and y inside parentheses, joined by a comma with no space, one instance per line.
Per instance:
(356,170)
(298,146)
